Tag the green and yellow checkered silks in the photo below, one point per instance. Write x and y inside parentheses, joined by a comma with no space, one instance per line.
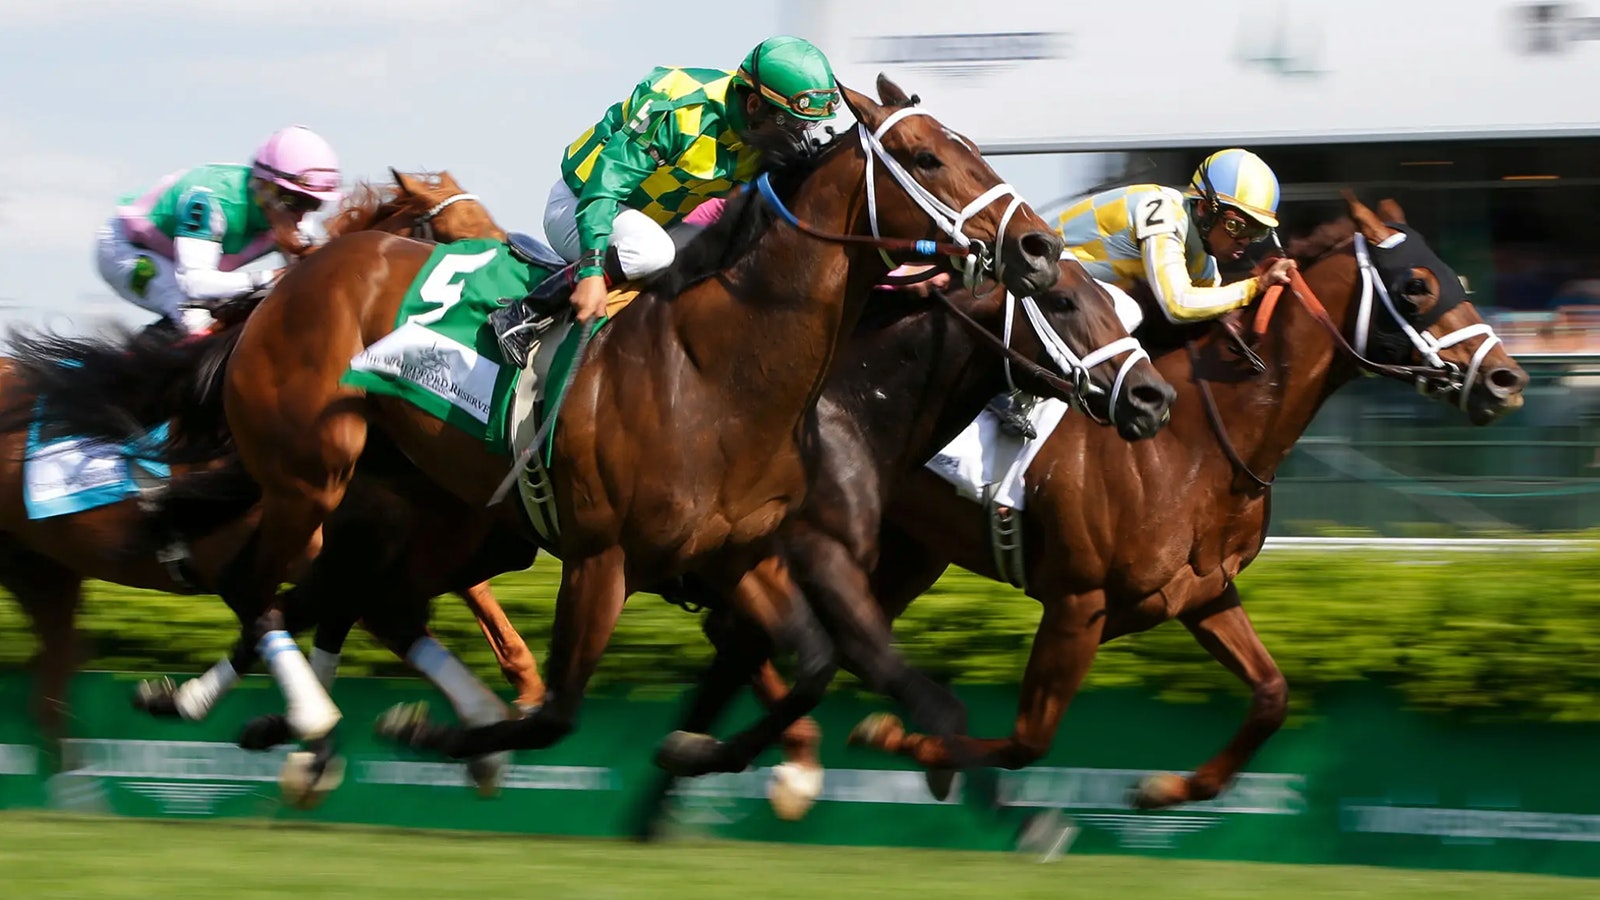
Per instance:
(672,144)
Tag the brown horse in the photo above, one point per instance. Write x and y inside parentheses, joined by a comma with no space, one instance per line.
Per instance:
(679,445)
(44,561)
(1121,538)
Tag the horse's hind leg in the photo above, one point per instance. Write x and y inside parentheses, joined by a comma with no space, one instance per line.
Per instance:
(49,594)
(1223,628)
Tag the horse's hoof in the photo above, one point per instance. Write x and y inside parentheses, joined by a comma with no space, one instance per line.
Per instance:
(305,783)
(1161,791)
(401,722)
(940,783)
(876,730)
(486,772)
(793,790)
(688,755)
(157,697)
(265,732)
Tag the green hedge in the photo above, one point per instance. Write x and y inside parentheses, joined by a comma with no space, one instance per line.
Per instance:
(1498,635)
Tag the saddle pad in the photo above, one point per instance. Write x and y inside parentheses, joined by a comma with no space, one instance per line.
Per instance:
(982,455)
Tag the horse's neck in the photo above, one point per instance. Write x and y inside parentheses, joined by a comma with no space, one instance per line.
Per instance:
(913,385)
(776,329)
(1266,414)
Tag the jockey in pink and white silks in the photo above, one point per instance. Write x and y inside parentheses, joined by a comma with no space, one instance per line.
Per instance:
(176,249)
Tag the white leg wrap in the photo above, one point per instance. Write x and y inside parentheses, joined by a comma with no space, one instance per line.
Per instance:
(472,700)
(325,665)
(311,711)
(198,696)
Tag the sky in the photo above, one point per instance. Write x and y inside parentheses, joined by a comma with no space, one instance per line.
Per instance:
(103,97)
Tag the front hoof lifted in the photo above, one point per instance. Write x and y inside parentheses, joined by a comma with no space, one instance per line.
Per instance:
(688,755)
(794,789)
(877,730)
(1161,791)
(305,780)
(403,723)
(157,697)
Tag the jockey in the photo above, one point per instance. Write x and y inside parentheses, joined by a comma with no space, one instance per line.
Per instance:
(1156,236)
(682,136)
(176,248)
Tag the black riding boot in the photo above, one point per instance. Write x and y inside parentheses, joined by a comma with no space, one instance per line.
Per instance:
(519,323)
(1013,417)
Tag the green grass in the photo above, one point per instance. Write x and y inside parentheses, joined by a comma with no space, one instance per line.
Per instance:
(61,856)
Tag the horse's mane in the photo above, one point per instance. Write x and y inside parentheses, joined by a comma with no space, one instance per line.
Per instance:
(367,203)
(745,218)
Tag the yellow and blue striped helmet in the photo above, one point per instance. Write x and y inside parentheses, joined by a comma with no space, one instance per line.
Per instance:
(1238,178)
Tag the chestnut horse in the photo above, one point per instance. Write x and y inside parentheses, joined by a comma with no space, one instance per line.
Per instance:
(1121,538)
(43,562)
(679,446)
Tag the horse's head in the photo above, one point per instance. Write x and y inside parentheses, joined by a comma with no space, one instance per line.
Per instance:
(429,207)
(1073,327)
(926,181)
(1413,311)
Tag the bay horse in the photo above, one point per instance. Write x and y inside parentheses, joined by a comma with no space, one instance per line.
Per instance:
(44,561)
(679,446)
(1121,537)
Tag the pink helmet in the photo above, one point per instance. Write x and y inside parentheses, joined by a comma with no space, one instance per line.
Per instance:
(298,159)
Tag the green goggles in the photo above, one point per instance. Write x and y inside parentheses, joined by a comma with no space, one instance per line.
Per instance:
(813,103)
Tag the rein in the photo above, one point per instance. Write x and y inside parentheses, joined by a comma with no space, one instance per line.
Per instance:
(975,258)
(1425,377)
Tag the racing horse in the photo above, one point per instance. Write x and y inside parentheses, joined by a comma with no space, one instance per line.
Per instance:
(1120,538)
(44,561)
(679,446)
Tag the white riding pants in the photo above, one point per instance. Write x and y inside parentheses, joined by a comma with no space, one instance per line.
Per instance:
(643,247)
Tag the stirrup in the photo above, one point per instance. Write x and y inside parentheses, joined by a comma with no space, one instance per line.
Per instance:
(1013,421)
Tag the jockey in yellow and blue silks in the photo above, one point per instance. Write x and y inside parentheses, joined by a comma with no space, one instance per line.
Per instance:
(1171,240)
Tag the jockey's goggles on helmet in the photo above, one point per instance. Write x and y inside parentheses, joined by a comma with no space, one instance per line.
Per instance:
(293,201)
(1238,225)
(810,104)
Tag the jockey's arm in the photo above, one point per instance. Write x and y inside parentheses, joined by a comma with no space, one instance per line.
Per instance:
(621,166)
(1181,299)
(199,278)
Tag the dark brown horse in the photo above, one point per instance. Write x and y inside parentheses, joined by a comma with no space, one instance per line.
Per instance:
(679,446)
(1120,538)
(44,561)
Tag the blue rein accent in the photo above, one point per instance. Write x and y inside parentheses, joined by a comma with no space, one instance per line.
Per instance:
(764,185)
(927,248)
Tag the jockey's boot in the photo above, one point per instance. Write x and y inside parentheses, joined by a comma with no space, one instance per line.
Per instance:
(519,323)
(1013,417)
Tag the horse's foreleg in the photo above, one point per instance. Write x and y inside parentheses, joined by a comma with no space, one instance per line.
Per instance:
(516,661)
(1224,629)
(593,590)
(766,596)
(1063,649)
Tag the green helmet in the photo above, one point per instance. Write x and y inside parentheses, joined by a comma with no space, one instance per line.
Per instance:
(793,75)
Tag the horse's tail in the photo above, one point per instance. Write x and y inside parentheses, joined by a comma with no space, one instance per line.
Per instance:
(116,387)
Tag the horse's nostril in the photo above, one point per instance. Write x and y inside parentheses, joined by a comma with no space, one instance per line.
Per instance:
(1149,396)
(1506,382)
(1041,245)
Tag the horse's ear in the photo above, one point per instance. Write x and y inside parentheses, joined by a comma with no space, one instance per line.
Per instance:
(408,184)
(1389,210)
(890,93)
(1371,226)
(866,111)
(447,181)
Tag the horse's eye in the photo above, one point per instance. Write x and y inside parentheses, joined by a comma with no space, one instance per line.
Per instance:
(926,160)
(1416,287)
